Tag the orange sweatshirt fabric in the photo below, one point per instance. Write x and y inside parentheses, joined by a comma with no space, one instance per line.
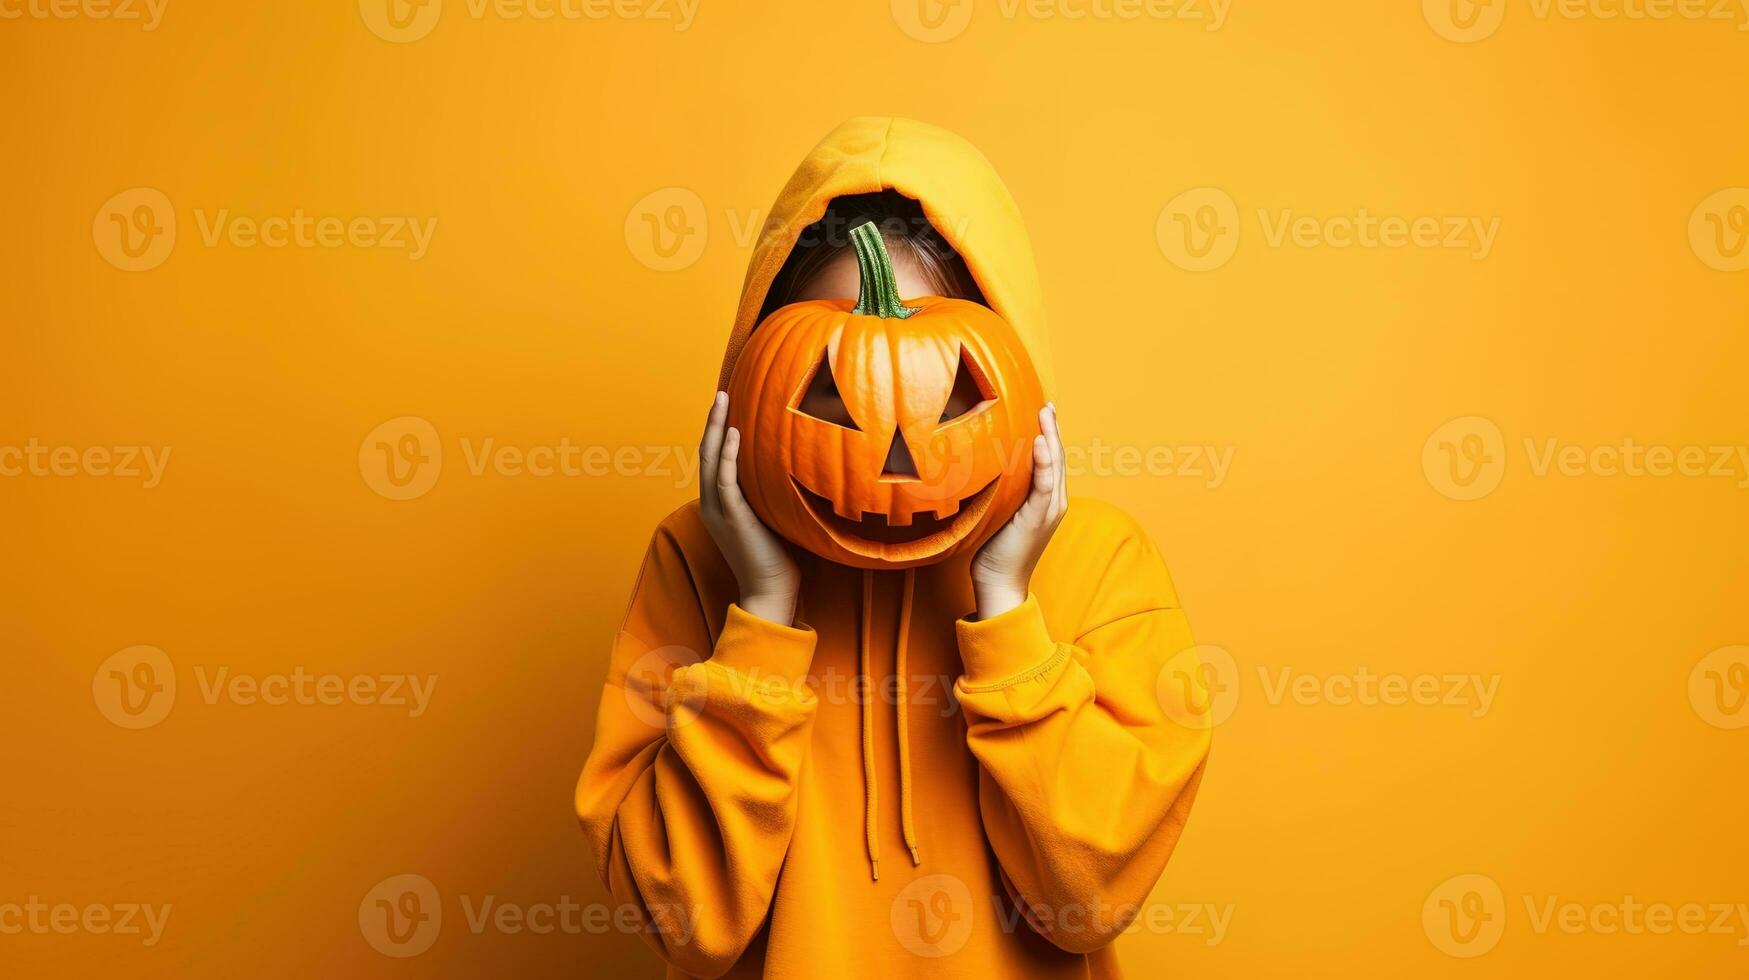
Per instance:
(890,788)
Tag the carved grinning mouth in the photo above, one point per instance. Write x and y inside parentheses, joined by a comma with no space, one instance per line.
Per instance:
(875,537)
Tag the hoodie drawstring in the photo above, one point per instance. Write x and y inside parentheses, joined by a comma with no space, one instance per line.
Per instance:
(904,731)
(870,792)
(868,773)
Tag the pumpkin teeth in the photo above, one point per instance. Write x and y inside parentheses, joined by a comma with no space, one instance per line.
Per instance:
(871,527)
(864,538)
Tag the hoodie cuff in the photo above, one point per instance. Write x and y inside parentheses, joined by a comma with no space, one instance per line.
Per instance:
(763,649)
(1008,649)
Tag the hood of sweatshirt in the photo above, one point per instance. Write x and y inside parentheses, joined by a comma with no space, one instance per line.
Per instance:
(961,196)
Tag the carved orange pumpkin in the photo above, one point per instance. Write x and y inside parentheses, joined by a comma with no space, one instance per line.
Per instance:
(882,435)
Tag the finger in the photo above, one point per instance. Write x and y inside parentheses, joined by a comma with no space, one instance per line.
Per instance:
(1038,496)
(1047,427)
(728,476)
(1060,499)
(710,449)
(1047,423)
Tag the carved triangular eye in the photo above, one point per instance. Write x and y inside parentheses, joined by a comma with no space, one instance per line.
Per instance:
(821,400)
(971,390)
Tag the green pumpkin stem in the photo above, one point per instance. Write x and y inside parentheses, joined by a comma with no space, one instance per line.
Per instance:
(880,288)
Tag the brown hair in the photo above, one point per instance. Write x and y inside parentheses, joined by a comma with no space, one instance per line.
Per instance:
(904,227)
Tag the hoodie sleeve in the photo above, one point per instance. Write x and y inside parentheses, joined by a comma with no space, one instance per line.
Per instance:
(1085,780)
(688,797)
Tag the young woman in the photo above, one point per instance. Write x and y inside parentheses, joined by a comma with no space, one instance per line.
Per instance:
(805,769)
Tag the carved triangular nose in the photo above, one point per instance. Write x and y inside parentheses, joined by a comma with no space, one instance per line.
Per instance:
(899,464)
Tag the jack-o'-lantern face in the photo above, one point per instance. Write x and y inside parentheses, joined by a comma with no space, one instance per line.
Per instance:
(885,435)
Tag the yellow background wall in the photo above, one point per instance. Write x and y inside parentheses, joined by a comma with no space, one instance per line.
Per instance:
(1607,307)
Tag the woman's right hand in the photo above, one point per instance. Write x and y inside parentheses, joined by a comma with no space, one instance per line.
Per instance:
(767,575)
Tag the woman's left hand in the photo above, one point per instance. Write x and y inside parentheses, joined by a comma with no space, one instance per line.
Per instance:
(1002,570)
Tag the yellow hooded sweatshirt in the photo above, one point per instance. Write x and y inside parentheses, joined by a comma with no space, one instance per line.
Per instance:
(891,788)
